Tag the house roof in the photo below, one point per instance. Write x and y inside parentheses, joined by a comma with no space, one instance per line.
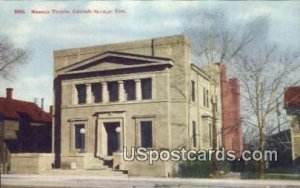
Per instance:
(11,108)
(292,97)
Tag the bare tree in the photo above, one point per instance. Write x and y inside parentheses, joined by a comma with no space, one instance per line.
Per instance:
(10,57)
(263,77)
(216,39)
(263,73)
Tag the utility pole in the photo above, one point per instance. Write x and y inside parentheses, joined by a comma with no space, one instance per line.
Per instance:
(278,114)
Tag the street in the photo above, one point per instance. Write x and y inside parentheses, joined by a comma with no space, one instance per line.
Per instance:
(66,181)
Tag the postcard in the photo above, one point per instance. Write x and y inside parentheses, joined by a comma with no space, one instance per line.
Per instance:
(149,93)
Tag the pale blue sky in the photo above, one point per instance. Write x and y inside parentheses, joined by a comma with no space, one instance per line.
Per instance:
(42,34)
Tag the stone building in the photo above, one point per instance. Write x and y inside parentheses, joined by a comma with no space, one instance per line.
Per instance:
(292,106)
(24,128)
(143,93)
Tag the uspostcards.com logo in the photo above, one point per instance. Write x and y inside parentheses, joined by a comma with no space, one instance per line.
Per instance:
(153,155)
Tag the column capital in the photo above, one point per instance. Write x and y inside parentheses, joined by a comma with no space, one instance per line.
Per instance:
(137,80)
(120,82)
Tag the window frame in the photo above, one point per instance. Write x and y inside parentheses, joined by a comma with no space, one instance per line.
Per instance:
(193,90)
(142,139)
(138,119)
(72,141)
(79,94)
(80,125)
(204,96)
(194,133)
(143,89)
(113,96)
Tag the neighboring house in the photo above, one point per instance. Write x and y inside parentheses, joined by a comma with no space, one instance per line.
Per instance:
(281,142)
(24,126)
(143,93)
(292,106)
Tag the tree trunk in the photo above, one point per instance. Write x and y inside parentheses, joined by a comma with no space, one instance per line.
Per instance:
(214,143)
(261,167)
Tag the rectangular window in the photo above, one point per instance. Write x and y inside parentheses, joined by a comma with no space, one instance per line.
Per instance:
(78,139)
(207,98)
(113,90)
(81,93)
(193,90)
(96,92)
(146,134)
(217,103)
(129,86)
(220,138)
(210,135)
(146,88)
(194,134)
(204,97)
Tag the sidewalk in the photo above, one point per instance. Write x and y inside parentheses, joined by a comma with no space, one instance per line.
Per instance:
(68,181)
(232,175)
(99,173)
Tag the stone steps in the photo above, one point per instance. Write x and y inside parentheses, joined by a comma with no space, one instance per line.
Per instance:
(2,168)
(97,164)
(96,167)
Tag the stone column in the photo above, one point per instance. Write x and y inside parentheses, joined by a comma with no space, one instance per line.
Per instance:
(121,91)
(105,96)
(88,93)
(138,89)
(74,95)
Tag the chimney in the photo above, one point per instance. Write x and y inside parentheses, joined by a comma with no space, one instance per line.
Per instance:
(51,110)
(36,101)
(42,103)
(9,93)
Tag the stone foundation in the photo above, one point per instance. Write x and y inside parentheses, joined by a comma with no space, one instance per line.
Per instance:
(31,163)
(157,169)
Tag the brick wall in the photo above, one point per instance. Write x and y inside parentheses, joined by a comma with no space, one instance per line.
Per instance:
(231,115)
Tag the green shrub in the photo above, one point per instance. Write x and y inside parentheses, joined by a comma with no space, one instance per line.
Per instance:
(201,169)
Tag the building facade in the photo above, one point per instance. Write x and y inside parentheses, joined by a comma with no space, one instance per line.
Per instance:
(135,94)
(292,106)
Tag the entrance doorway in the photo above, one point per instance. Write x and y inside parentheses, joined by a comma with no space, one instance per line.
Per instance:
(112,137)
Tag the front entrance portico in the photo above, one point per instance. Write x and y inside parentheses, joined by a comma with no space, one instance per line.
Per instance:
(110,131)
